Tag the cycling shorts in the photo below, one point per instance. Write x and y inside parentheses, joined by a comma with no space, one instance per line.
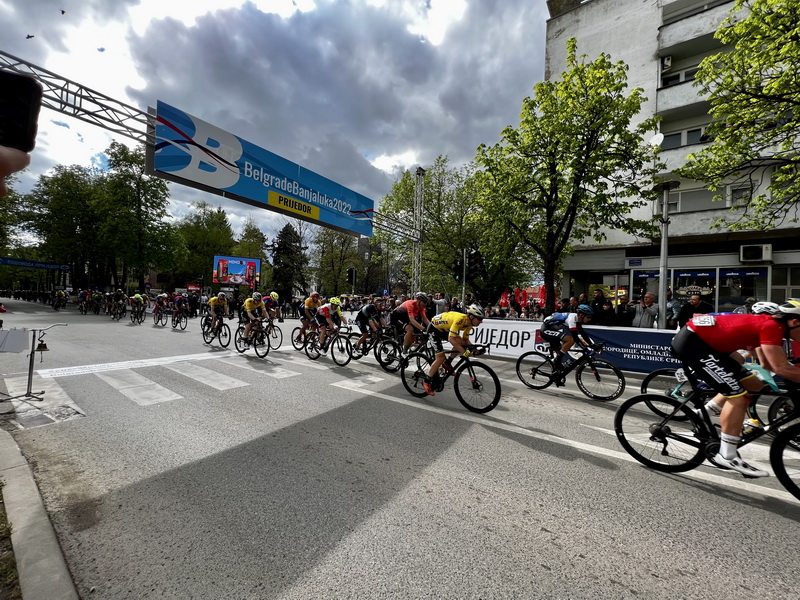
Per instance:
(717,369)
(555,333)
(323,321)
(219,309)
(436,337)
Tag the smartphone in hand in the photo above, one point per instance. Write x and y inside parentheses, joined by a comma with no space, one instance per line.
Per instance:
(20,101)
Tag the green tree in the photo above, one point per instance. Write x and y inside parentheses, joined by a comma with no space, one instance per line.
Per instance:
(335,252)
(206,233)
(134,210)
(575,165)
(290,263)
(754,91)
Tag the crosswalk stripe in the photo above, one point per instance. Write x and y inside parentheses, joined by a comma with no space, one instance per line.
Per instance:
(205,376)
(138,388)
(270,371)
(54,395)
(118,366)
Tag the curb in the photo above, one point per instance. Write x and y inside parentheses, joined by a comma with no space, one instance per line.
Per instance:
(43,572)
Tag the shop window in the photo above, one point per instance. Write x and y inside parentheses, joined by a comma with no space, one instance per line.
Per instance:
(736,285)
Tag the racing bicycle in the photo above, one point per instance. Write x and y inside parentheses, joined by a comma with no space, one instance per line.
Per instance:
(597,378)
(675,435)
(337,342)
(222,332)
(258,339)
(476,385)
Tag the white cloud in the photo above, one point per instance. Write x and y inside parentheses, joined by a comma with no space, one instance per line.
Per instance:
(392,163)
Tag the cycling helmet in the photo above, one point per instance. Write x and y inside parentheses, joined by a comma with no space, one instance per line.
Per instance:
(765,308)
(476,311)
(421,296)
(791,309)
(335,301)
(315,294)
(585,309)
(185,295)
(274,295)
(222,296)
(256,296)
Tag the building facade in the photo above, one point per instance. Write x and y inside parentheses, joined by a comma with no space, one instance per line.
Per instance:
(662,44)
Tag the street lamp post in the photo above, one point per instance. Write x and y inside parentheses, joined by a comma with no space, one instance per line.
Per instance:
(663,263)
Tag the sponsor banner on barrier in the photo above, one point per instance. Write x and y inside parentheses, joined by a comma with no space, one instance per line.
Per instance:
(631,349)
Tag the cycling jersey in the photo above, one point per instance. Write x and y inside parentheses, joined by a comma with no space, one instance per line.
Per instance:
(729,333)
(369,312)
(411,308)
(217,301)
(251,305)
(270,303)
(452,323)
(559,320)
(327,310)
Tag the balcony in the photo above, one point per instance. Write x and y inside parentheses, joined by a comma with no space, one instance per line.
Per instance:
(683,99)
(682,27)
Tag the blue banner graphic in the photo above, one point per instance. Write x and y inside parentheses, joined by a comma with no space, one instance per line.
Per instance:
(190,151)
(33,264)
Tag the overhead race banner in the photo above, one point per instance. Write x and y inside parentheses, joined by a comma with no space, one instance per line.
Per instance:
(192,152)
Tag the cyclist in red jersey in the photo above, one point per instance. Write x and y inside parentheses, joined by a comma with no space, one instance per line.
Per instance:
(407,316)
(706,342)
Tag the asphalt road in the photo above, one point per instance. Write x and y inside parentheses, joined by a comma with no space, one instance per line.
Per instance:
(201,473)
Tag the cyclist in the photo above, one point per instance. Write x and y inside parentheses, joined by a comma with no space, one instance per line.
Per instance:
(273,306)
(328,317)
(120,300)
(405,316)
(178,306)
(253,309)
(307,320)
(218,305)
(369,319)
(706,342)
(137,304)
(562,330)
(451,324)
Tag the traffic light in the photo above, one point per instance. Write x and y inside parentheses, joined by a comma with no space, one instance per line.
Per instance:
(474,261)
(351,276)
(458,270)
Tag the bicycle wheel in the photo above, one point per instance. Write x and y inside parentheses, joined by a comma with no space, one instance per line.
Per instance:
(142,316)
(661,382)
(238,340)
(341,350)
(133,317)
(297,338)
(275,336)
(477,387)
(163,318)
(205,329)
(355,353)
(784,456)
(661,443)
(260,343)
(312,345)
(780,407)
(413,372)
(535,370)
(600,380)
(183,321)
(224,335)
(388,355)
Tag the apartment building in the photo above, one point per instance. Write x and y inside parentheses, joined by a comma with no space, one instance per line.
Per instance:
(662,42)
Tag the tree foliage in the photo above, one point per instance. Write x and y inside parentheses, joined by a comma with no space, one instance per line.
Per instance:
(206,233)
(574,166)
(290,263)
(754,91)
(453,221)
(334,253)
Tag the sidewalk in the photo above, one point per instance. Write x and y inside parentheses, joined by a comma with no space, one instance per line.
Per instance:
(43,573)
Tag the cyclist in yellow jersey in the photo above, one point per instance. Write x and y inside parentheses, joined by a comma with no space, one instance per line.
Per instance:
(218,305)
(307,320)
(450,325)
(253,309)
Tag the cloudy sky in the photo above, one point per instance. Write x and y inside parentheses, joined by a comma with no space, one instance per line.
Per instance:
(356,90)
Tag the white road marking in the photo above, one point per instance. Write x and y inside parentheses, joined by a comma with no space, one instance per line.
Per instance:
(138,388)
(734,483)
(205,376)
(54,395)
(270,371)
(118,366)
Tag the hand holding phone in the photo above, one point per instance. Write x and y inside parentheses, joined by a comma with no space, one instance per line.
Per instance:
(20,101)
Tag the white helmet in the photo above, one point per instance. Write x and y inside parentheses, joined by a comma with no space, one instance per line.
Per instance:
(765,308)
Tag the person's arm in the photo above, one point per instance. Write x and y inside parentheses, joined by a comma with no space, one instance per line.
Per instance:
(11,161)
(777,362)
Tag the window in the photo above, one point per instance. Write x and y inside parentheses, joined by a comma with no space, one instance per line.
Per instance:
(685,201)
(693,136)
(685,137)
(671,78)
(671,140)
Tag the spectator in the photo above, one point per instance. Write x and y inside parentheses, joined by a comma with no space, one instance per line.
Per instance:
(609,317)
(582,299)
(599,316)
(645,312)
(538,312)
(624,316)
(440,303)
(562,306)
(695,306)
(454,305)
(747,309)
(673,307)
(573,304)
